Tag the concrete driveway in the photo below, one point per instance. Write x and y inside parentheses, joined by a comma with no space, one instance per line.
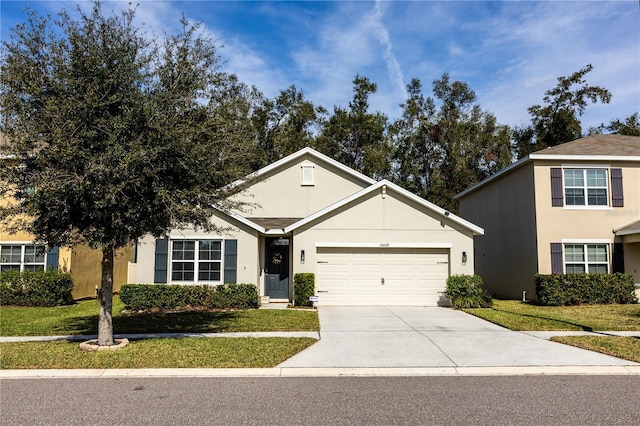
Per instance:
(388,337)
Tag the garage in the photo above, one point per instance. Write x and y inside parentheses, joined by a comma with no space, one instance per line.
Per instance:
(381,276)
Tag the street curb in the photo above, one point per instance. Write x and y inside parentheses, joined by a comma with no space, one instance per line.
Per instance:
(322,372)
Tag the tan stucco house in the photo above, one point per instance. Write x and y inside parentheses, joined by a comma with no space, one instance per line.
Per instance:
(367,242)
(571,208)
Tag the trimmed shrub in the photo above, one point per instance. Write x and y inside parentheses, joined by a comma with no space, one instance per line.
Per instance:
(574,289)
(170,296)
(466,291)
(304,285)
(43,288)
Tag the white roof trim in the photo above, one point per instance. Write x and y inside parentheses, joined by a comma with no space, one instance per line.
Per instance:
(534,156)
(384,245)
(301,153)
(631,231)
(242,219)
(585,157)
(445,214)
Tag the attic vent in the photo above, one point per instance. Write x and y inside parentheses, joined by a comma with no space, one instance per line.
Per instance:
(307,175)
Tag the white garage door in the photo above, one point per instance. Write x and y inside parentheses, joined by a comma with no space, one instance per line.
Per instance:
(394,277)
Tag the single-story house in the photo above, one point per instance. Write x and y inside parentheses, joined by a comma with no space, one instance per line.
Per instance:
(367,242)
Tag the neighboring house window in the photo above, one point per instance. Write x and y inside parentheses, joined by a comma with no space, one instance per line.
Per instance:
(586,258)
(585,187)
(22,257)
(196,260)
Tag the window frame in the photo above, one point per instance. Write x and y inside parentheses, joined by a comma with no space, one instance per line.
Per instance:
(586,262)
(197,262)
(22,264)
(585,187)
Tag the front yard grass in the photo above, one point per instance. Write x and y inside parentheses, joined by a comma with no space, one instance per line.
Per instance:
(156,353)
(82,318)
(520,316)
(621,347)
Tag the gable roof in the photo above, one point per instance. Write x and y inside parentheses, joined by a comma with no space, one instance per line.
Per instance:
(379,186)
(301,154)
(589,148)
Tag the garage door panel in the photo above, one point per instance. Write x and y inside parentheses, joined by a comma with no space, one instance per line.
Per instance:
(353,276)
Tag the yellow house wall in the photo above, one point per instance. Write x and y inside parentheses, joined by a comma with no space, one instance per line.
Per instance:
(86,270)
(556,224)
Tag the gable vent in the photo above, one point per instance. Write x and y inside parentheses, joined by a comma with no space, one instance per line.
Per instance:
(307,175)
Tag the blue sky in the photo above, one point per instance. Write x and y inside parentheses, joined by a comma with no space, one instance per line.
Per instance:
(509,52)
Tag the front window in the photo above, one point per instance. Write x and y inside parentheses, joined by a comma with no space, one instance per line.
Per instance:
(22,257)
(586,258)
(196,260)
(585,187)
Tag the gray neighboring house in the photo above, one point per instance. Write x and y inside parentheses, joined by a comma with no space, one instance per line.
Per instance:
(571,208)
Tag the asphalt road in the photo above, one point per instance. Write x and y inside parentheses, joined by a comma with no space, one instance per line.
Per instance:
(521,400)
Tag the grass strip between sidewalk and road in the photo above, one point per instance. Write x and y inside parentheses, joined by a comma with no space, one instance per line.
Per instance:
(621,347)
(516,315)
(155,353)
(82,318)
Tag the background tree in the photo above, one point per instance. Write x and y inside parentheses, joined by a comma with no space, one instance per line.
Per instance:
(285,124)
(355,136)
(442,151)
(630,126)
(557,121)
(112,138)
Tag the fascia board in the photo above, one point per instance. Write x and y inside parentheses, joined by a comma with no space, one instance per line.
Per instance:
(485,181)
(584,157)
(241,219)
(301,153)
(475,229)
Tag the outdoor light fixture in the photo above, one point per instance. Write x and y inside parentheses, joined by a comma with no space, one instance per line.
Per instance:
(301,256)
(464,257)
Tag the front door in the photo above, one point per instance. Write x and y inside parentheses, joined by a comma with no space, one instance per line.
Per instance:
(276,267)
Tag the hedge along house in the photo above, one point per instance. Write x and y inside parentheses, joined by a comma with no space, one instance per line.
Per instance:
(367,242)
(572,208)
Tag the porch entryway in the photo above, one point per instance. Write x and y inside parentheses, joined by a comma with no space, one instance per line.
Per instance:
(276,267)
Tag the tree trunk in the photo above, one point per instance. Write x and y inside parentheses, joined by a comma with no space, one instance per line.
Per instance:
(105,294)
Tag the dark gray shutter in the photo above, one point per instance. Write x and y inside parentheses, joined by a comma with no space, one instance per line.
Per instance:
(161,261)
(230,261)
(556,258)
(617,197)
(52,258)
(557,193)
(618,258)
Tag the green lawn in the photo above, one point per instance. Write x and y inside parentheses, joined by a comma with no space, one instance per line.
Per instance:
(82,318)
(516,315)
(156,353)
(621,347)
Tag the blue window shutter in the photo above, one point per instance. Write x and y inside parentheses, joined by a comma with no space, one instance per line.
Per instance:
(557,192)
(52,258)
(161,261)
(618,258)
(230,261)
(617,196)
(556,258)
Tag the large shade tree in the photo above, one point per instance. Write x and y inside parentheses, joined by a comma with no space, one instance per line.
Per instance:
(108,137)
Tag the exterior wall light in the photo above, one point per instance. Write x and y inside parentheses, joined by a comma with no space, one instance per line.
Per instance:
(302,256)
(464,257)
